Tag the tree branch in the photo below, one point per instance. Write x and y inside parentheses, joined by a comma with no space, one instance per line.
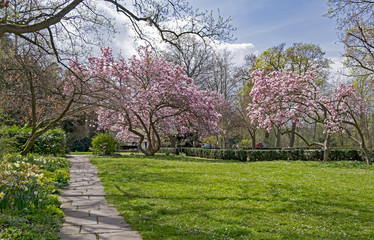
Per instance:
(19,29)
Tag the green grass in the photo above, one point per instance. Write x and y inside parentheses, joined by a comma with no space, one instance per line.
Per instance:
(173,197)
(80,153)
(91,153)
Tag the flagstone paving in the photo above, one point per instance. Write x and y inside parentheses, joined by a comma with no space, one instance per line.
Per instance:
(88,216)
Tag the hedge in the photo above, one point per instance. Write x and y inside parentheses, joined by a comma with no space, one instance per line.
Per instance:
(269,155)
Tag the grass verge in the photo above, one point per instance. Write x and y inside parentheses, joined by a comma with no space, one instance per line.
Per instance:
(174,197)
(80,153)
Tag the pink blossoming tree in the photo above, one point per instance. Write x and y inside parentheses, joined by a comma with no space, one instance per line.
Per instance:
(147,98)
(283,98)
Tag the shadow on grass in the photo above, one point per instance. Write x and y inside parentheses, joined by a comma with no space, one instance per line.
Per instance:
(239,215)
(273,195)
(188,205)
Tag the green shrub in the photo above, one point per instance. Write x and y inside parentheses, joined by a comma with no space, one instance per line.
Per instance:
(104,144)
(51,142)
(19,134)
(7,145)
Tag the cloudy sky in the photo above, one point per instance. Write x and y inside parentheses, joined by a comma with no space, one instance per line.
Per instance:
(262,24)
(266,23)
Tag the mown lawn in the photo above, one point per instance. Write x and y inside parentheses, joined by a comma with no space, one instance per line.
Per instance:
(173,197)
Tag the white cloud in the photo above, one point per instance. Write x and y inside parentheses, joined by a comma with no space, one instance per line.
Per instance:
(124,40)
(338,72)
(337,65)
(238,51)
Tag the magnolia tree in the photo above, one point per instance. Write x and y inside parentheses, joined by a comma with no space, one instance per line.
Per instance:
(283,98)
(148,98)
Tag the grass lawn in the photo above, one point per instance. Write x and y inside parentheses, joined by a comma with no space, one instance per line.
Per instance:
(174,197)
(80,153)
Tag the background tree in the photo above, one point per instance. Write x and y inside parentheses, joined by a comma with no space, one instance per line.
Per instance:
(355,20)
(34,90)
(195,55)
(243,74)
(356,23)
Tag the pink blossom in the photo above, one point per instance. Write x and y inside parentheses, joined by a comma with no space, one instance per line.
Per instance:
(281,97)
(149,97)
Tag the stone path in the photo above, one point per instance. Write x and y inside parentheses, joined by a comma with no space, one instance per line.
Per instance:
(87,214)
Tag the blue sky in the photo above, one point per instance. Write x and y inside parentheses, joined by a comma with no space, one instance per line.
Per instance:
(266,23)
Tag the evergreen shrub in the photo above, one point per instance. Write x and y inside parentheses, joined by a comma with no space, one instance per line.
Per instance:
(104,144)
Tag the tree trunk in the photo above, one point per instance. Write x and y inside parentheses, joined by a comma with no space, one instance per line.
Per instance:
(278,139)
(29,143)
(314,131)
(223,142)
(292,136)
(153,145)
(266,138)
(367,154)
(326,148)
(173,141)
(363,144)
(253,136)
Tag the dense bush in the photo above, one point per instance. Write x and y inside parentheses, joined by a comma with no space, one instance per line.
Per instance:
(270,155)
(51,142)
(19,134)
(104,144)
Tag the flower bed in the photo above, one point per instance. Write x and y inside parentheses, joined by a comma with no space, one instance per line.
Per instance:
(29,187)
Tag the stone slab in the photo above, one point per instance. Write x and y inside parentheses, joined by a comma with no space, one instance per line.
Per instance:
(126,235)
(81,237)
